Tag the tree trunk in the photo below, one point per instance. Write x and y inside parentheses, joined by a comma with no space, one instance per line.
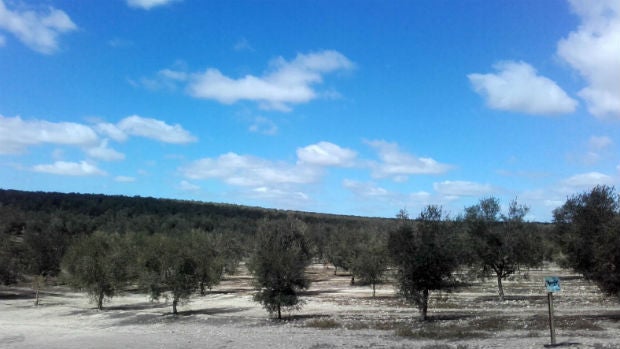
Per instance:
(279,313)
(373,290)
(335,269)
(500,287)
(352,279)
(202,288)
(174,306)
(424,304)
(100,300)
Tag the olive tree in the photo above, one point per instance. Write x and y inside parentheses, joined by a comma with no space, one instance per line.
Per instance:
(169,269)
(502,243)
(281,255)
(424,255)
(588,226)
(371,263)
(97,263)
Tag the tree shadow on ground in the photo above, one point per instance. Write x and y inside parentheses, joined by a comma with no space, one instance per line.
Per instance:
(211,311)
(318,292)
(494,298)
(228,291)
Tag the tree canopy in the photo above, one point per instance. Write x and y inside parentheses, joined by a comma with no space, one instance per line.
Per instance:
(278,263)
(588,226)
(425,257)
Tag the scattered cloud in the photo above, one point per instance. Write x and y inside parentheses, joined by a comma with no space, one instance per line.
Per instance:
(16,134)
(516,87)
(243,45)
(187,186)
(462,188)
(65,168)
(148,4)
(135,125)
(597,148)
(586,181)
(39,30)
(326,154)
(366,189)
(397,164)
(244,170)
(593,50)
(290,198)
(103,152)
(120,43)
(263,125)
(284,84)
(600,142)
(124,179)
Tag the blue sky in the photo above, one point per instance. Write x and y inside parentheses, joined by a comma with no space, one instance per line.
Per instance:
(347,107)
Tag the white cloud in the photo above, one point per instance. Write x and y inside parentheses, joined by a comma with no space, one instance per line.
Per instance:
(187,186)
(103,152)
(292,198)
(64,168)
(124,179)
(150,128)
(16,134)
(148,4)
(36,29)
(586,181)
(243,45)
(263,125)
(326,154)
(598,148)
(366,189)
(397,164)
(120,43)
(462,188)
(112,131)
(600,142)
(516,87)
(243,170)
(284,84)
(594,51)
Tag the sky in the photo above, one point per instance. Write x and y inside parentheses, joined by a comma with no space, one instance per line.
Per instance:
(346,107)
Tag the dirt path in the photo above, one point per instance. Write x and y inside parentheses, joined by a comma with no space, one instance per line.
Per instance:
(336,315)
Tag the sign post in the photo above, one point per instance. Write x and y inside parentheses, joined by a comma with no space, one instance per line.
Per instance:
(552,284)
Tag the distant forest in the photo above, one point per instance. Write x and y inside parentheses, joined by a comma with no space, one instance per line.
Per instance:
(44,224)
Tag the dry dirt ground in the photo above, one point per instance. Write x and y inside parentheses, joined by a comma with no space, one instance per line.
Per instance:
(335,315)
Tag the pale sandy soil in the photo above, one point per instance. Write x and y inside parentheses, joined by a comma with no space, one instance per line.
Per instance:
(336,315)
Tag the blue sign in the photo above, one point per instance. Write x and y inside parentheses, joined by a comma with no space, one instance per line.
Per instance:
(552,283)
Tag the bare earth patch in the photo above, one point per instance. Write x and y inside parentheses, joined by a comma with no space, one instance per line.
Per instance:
(336,315)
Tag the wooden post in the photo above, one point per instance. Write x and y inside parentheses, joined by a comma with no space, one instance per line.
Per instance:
(551,324)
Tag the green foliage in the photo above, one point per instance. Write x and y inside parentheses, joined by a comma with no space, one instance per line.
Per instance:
(213,254)
(97,264)
(502,243)
(10,263)
(424,256)
(588,226)
(168,268)
(371,262)
(280,257)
